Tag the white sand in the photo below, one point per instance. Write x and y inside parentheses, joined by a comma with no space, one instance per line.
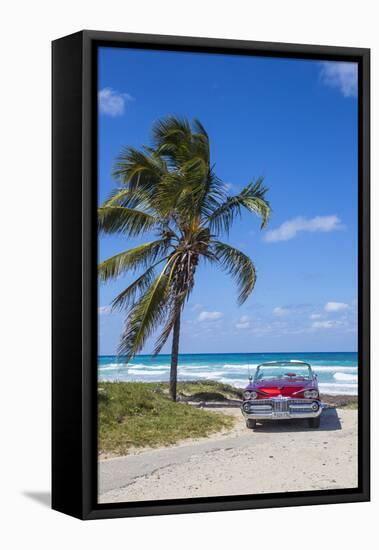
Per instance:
(277,457)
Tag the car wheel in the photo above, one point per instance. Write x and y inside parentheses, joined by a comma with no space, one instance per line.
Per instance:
(314,422)
(251,424)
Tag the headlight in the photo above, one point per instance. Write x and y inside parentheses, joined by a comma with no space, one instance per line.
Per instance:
(311,394)
(250,394)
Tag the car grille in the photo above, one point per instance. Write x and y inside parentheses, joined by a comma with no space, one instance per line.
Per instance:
(278,407)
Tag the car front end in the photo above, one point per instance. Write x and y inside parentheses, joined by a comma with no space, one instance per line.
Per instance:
(279,408)
(282,390)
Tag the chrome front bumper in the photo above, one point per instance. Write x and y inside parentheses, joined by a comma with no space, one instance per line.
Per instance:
(281,408)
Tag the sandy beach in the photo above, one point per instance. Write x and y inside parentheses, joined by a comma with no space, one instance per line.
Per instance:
(277,457)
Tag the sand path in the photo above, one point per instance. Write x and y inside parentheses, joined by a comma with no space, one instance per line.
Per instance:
(277,457)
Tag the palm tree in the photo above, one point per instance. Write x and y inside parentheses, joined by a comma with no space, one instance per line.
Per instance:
(171,190)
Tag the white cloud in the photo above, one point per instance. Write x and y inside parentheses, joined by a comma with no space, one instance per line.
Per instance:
(263,329)
(289,229)
(280,311)
(210,315)
(335,306)
(104,310)
(112,103)
(326,324)
(341,75)
(244,322)
(315,316)
(197,307)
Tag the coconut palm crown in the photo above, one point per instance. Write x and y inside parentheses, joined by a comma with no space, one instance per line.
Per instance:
(170,190)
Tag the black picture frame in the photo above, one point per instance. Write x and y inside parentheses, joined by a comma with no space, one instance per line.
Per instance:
(74,333)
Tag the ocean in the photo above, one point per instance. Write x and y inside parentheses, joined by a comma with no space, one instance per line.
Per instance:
(337,372)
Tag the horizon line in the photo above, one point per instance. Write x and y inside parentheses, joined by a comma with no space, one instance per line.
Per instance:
(226,352)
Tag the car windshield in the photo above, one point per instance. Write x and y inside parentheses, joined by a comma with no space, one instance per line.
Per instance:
(284,372)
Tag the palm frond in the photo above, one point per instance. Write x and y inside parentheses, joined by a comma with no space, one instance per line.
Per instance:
(129,198)
(168,192)
(200,140)
(144,317)
(171,131)
(191,193)
(213,194)
(128,296)
(140,170)
(119,219)
(252,197)
(199,128)
(177,142)
(147,313)
(141,256)
(238,265)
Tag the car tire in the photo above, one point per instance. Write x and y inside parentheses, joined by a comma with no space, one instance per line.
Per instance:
(314,422)
(251,424)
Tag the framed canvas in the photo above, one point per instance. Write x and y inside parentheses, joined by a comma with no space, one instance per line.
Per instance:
(210,275)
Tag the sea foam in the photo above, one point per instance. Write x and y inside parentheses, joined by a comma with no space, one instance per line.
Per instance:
(346,377)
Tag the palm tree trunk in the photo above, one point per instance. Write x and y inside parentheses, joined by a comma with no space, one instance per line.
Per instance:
(174,357)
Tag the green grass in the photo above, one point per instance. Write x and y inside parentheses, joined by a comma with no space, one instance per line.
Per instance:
(136,414)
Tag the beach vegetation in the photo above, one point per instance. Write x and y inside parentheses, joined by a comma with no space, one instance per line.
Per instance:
(133,415)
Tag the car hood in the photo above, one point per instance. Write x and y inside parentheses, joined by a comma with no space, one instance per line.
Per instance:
(286,388)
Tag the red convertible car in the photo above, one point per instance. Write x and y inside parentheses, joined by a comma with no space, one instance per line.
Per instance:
(282,390)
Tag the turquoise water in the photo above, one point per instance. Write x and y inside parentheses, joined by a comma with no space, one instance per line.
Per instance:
(337,372)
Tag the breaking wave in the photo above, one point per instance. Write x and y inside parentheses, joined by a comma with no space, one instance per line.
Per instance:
(334,378)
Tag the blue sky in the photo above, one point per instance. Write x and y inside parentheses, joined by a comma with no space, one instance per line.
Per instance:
(293,122)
